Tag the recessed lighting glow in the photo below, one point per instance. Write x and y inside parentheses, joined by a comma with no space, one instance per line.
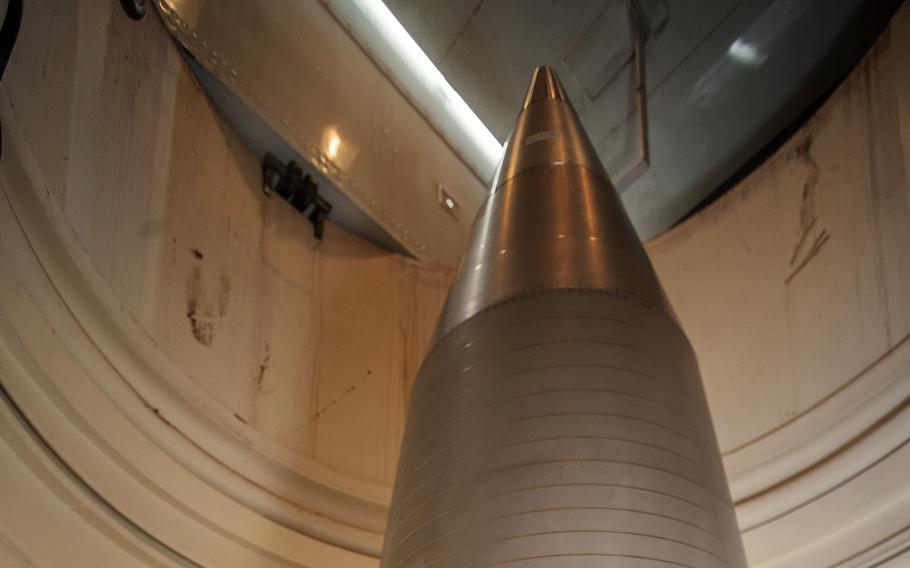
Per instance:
(745,53)
(335,151)
(334,143)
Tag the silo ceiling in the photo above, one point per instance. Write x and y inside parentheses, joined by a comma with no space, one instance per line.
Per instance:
(723,77)
(723,82)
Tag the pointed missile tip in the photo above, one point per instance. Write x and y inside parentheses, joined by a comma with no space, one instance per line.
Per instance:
(544,86)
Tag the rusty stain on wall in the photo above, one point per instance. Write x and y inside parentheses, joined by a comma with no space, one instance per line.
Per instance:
(820,240)
(260,376)
(808,217)
(347,392)
(201,312)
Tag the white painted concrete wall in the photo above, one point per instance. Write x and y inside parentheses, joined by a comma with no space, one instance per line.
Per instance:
(795,291)
(191,379)
(203,322)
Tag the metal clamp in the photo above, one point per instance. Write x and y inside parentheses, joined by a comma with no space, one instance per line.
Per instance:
(299,189)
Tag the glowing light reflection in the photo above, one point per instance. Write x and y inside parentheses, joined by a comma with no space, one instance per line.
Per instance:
(334,143)
(745,53)
(409,64)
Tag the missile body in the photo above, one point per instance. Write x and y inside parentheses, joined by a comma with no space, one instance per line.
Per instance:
(559,418)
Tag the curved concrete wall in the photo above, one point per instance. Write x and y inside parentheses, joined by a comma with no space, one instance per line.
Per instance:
(231,387)
(190,379)
(795,291)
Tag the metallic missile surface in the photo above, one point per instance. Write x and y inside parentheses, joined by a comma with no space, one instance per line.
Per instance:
(559,418)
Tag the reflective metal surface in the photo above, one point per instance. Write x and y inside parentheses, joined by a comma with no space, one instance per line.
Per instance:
(383,161)
(559,419)
(552,220)
(547,132)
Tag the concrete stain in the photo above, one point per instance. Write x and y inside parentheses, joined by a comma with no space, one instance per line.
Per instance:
(224,293)
(808,218)
(260,377)
(201,312)
(200,325)
(816,247)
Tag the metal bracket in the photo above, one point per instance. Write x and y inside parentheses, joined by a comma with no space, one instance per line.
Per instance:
(638,22)
(299,189)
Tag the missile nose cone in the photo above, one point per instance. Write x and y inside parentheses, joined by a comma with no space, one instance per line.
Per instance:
(544,86)
(552,220)
(557,378)
(546,132)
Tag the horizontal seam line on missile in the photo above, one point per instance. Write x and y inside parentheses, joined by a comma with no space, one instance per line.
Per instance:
(412,471)
(522,395)
(602,460)
(589,554)
(554,164)
(522,323)
(480,384)
(427,439)
(711,513)
(615,485)
(450,378)
(444,381)
(608,531)
(621,509)
(399,522)
(483,519)
(440,382)
(529,293)
(463,528)
(415,431)
(605,438)
(548,533)
(418,430)
(403,467)
(474,476)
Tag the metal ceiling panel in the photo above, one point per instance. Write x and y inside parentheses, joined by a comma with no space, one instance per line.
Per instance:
(295,67)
